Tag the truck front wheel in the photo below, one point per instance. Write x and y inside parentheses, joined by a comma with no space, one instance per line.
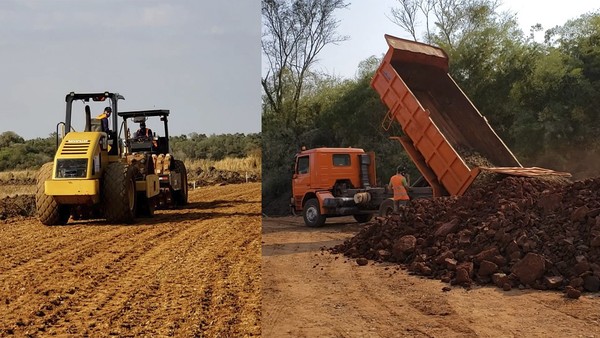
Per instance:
(312,214)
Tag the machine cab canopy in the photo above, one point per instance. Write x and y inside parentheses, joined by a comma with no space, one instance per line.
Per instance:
(158,143)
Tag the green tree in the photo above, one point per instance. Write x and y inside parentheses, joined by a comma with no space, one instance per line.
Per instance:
(8,138)
(487,60)
(488,52)
(215,147)
(294,33)
(30,154)
(558,121)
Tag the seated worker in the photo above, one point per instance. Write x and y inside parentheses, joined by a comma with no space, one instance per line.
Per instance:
(143,132)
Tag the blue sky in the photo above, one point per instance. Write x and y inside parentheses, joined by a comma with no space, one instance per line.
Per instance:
(200,59)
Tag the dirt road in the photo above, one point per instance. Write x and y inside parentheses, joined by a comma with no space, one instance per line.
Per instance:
(308,292)
(190,272)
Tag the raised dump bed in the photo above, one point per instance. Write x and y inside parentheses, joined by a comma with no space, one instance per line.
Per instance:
(438,119)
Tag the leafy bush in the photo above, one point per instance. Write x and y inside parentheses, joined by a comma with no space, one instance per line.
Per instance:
(215,147)
(16,153)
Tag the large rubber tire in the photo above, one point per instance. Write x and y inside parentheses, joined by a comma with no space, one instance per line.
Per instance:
(119,197)
(48,211)
(386,208)
(312,214)
(363,218)
(181,196)
(145,205)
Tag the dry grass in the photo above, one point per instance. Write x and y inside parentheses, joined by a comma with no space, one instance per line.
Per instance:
(17,175)
(14,183)
(250,164)
(13,190)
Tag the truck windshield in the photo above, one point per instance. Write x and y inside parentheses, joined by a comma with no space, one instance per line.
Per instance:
(302,166)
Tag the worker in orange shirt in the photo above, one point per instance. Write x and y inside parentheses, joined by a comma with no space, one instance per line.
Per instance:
(143,132)
(399,185)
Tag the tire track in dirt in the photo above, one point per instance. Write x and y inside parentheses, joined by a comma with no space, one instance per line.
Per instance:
(78,277)
(194,270)
(99,294)
(70,258)
(142,283)
(20,241)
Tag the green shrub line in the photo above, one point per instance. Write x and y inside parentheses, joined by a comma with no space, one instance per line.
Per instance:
(16,153)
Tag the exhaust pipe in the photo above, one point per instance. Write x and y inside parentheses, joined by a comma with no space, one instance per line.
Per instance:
(88,118)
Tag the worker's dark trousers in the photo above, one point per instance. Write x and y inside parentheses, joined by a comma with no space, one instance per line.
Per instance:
(398,203)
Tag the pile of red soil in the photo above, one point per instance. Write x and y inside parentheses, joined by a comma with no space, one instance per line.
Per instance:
(20,205)
(517,232)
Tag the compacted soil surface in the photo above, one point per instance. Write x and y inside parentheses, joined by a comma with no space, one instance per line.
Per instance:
(193,271)
(310,292)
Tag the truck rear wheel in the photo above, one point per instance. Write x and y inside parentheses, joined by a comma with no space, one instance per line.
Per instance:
(49,212)
(181,196)
(119,196)
(363,218)
(312,214)
(386,208)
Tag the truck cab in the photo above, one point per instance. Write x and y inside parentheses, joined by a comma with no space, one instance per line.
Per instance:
(330,182)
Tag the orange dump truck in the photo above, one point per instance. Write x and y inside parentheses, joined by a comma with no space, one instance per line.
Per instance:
(330,182)
(437,118)
(326,180)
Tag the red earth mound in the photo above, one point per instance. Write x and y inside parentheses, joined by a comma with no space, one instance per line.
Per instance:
(517,232)
(20,205)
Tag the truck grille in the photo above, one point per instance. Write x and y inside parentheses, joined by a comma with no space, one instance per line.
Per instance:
(75,148)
